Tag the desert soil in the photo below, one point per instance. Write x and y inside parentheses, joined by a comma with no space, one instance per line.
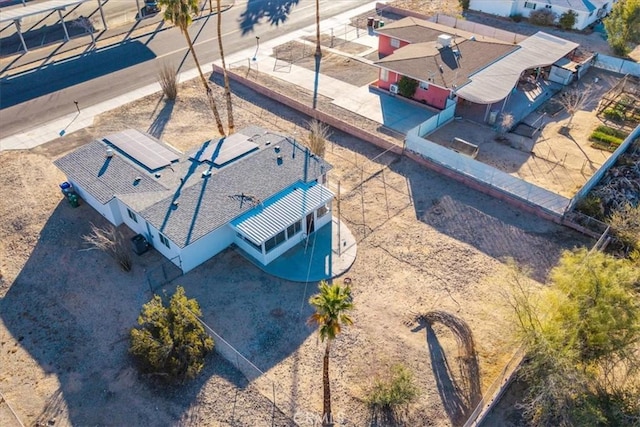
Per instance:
(425,243)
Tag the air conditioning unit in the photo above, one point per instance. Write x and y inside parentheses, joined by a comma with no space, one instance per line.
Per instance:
(393,89)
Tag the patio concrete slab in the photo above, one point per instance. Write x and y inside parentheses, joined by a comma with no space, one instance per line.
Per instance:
(324,255)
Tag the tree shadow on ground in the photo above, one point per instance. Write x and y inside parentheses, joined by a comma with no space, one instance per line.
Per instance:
(276,12)
(71,310)
(459,390)
(156,128)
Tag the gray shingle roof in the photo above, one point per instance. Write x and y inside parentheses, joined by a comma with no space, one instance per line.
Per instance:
(105,177)
(203,204)
(414,30)
(422,61)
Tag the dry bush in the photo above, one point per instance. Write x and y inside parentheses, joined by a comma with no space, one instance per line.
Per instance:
(168,79)
(626,225)
(109,240)
(317,139)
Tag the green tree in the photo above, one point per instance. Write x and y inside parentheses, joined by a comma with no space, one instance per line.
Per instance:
(623,25)
(180,13)
(568,19)
(227,87)
(407,86)
(171,340)
(579,335)
(331,305)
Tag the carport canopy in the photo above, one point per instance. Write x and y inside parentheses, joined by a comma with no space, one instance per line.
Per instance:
(16,15)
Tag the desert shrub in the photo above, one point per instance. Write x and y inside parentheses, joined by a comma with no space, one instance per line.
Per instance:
(626,225)
(591,206)
(168,79)
(516,17)
(109,240)
(317,139)
(407,86)
(464,4)
(567,20)
(171,341)
(611,131)
(543,17)
(615,114)
(392,392)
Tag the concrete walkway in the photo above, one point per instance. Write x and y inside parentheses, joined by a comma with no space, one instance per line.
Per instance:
(389,111)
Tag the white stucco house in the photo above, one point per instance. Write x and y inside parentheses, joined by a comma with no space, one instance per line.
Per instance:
(587,11)
(257,189)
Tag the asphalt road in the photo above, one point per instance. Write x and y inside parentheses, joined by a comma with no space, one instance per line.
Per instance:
(36,97)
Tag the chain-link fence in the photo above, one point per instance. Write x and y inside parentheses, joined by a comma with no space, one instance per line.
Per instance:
(162,273)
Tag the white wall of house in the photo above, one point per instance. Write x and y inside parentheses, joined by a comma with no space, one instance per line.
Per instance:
(138,225)
(494,7)
(109,210)
(525,7)
(172,252)
(205,247)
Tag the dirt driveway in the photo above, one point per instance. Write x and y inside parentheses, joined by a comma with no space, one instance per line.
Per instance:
(425,243)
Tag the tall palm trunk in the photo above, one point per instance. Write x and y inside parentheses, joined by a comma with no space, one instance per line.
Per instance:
(227,88)
(205,83)
(318,48)
(326,401)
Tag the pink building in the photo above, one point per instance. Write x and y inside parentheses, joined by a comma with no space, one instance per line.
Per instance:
(440,58)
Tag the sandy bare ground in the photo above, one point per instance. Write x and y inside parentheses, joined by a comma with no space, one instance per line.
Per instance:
(425,243)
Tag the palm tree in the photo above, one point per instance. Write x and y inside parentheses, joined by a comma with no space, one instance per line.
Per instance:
(179,13)
(318,47)
(331,305)
(227,89)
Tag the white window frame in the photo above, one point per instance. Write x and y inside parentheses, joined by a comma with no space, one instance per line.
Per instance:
(394,43)
(384,75)
(424,85)
(164,240)
(530,5)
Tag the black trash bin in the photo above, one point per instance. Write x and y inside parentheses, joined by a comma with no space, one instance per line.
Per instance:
(139,244)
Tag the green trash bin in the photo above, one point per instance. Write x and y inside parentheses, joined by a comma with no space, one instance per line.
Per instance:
(73,199)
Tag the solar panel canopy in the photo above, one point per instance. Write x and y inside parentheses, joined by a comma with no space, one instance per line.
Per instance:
(225,150)
(142,148)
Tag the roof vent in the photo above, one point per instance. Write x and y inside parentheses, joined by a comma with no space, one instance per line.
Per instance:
(279,160)
(277,148)
(109,152)
(206,174)
(456,51)
(137,179)
(157,175)
(444,40)
(441,69)
(175,204)
(268,143)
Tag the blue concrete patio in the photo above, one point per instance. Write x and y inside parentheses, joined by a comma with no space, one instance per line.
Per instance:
(401,115)
(319,257)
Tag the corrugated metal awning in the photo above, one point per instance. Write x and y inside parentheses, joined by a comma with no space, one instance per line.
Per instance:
(494,83)
(263,222)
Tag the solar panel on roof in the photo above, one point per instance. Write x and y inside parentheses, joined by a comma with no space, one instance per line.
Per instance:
(225,151)
(142,148)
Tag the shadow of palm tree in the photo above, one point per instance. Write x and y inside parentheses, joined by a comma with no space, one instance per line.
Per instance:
(459,393)
(156,128)
(275,12)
